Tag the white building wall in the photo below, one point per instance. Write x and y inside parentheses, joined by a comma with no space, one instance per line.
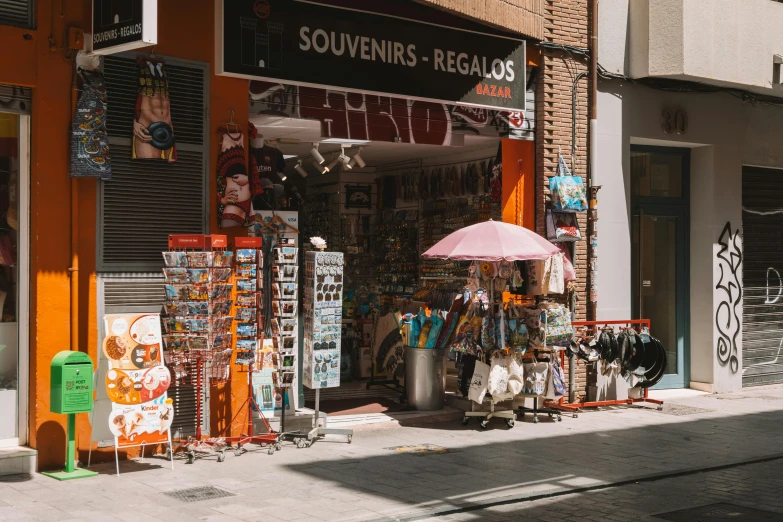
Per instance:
(720,42)
(723,134)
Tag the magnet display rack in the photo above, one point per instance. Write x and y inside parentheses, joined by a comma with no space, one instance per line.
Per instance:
(323,297)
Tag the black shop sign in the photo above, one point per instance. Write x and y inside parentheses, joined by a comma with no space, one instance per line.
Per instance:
(123,25)
(309,44)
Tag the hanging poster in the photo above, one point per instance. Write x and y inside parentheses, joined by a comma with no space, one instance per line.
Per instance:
(136,380)
(89,142)
(233,189)
(153,132)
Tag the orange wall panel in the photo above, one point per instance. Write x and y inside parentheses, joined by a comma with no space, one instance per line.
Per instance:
(518,204)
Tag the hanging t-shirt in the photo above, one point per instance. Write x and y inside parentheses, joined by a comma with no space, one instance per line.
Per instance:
(265,162)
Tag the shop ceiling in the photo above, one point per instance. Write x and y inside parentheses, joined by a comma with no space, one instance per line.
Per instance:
(295,137)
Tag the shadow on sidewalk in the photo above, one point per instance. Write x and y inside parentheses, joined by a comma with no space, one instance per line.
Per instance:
(466,477)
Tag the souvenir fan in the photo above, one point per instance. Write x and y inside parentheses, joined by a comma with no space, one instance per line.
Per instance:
(488,270)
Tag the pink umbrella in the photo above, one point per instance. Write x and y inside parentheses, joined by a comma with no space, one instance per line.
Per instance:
(492,241)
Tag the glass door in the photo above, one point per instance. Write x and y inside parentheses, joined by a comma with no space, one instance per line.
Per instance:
(660,279)
(14,164)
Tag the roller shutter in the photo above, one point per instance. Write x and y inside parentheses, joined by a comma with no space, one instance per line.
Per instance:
(17,12)
(147,200)
(762,272)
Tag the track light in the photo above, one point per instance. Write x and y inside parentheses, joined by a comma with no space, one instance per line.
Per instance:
(345,160)
(321,168)
(357,160)
(302,172)
(332,164)
(316,155)
(283,177)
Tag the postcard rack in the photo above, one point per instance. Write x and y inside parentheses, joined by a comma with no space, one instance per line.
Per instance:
(198,324)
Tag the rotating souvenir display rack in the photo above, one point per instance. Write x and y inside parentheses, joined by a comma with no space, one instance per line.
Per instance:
(323,298)
(595,326)
(198,323)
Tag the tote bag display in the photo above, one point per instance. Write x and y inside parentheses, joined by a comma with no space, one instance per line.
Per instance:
(568,192)
(562,226)
(478,383)
(498,379)
(535,378)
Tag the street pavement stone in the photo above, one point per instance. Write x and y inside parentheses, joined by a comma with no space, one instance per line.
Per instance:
(576,464)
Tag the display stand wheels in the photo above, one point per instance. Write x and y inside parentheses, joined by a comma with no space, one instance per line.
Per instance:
(485,416)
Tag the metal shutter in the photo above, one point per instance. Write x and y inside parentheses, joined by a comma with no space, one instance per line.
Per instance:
(762,273)
(15,99)
(17,12)
(143,293)
(147,200)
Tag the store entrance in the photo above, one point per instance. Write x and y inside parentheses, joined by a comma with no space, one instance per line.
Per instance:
(14,169)
(660,253)
(383,204)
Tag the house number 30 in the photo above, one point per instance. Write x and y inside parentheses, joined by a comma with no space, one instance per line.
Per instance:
(674,121)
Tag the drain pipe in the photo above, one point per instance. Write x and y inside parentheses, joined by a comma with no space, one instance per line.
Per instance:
(593,177)
(73,270)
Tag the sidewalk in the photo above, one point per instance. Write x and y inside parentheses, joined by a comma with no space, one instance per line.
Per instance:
(367,480)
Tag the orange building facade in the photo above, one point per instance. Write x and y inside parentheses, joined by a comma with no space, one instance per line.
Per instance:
(63,213)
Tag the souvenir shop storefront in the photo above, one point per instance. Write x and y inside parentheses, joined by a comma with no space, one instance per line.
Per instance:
(383,170)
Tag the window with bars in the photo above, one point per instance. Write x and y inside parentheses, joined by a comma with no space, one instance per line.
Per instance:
(146,200)
(19,13)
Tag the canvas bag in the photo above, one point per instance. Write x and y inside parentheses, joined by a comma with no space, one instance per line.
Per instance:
(557,325)
(516,376)
(568,192)
(536,375)
(478,383)
(498,378)
(562,226)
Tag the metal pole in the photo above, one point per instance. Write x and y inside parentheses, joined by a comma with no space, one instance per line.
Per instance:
(70,453)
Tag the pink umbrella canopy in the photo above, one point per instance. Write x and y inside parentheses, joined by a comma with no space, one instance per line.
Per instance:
(492,241)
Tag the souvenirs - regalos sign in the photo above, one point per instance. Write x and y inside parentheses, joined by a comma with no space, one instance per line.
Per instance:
(304,43)
(123,25)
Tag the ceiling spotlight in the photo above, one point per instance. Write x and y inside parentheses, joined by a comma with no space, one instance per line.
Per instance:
(332,164)
(321,168)
(301,169)
(316,155)
(345,160)
(283,177)
(357,160)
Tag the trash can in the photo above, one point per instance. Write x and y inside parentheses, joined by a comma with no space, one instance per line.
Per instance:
(425,378)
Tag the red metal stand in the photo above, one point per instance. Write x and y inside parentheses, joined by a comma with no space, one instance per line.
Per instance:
(637,324)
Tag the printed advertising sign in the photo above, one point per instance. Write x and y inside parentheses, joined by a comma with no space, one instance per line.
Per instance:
(305,43)
(122,25)
(137,381)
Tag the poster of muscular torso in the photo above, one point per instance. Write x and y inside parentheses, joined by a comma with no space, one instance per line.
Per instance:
(153,132)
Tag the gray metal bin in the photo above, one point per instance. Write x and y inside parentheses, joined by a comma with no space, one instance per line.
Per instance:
(425,378)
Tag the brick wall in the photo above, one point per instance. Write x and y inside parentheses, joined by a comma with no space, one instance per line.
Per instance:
(520,16)
(565,22)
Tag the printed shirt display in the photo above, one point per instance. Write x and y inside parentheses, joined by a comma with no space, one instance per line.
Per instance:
(89,141)
(265,162)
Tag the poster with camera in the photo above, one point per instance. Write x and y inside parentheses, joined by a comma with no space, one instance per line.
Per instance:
(323,302)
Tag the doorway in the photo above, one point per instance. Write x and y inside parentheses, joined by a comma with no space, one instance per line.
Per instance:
(660,258)
(14,277)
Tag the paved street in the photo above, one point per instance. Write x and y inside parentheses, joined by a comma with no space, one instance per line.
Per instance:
(565,470)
